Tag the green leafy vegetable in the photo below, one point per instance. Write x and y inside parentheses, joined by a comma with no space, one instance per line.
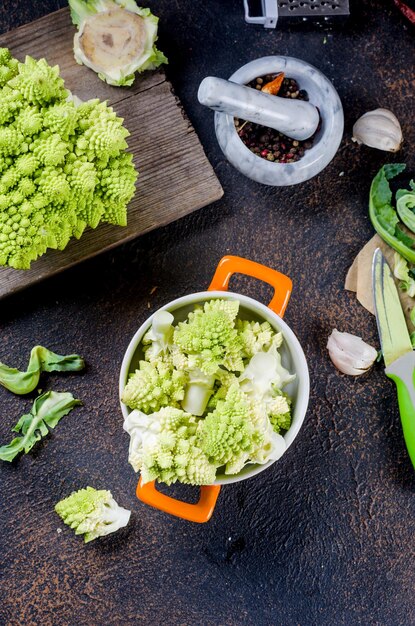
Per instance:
(46,412)
(405,206)
(208,395)
(41,360)
(403,274)
(115,38)
(384,217)
(92,513)
(63,164)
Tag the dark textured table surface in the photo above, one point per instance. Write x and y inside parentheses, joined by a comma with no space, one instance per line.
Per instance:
(323,537)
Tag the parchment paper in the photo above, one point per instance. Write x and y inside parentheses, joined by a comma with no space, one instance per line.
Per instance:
(359,278)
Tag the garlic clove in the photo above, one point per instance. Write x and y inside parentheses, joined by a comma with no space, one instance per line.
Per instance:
(378,129)
(350,354)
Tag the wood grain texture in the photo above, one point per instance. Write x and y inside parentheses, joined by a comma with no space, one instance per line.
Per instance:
(166,149)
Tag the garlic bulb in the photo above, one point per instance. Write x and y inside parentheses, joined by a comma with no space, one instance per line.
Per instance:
(350,354)
(378,129)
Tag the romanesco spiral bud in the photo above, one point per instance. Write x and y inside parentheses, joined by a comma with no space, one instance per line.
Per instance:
(38,82)
(29,121)
(61,119)
(50,149)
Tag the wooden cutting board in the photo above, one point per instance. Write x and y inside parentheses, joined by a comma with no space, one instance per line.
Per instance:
(175,176)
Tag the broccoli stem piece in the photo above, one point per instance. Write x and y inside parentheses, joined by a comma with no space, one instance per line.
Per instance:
(198,392)
(41,360)
(47,410)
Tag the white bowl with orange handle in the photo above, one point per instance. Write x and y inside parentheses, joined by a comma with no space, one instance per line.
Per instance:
(292,358)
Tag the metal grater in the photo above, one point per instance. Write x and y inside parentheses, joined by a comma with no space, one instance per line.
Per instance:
(268,12)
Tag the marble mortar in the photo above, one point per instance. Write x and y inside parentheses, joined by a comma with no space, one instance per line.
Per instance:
(326,143)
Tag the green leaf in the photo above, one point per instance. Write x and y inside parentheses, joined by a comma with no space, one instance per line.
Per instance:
(388,218)
(380,192)
(47,411)
(393,169)
(412,335)
(41,360)
(404,238)
(412,316)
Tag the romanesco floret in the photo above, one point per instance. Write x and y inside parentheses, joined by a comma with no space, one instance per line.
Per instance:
(228,435)
(256,337)
(279,411)
(8,66)
(157,342)
(63,165)
(38,83)
(92,513)
(164,447)
(223,382)
(153,386)
(209,335)
(178,458)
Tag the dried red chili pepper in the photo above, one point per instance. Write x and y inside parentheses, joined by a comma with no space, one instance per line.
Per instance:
(275,85)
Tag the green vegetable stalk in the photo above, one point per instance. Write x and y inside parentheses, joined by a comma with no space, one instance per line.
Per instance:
(47,410)
(41,360)
(384,217)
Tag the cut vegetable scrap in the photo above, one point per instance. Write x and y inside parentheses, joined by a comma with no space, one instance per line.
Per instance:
(274,86)
(115,39)
(210,396)
(46,412)
(41,360)
(383,215)
(359,277)
(92,513)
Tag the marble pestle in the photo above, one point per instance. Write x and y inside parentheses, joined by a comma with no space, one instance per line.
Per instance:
(295,118)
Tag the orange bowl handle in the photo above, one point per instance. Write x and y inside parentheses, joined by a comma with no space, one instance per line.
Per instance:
(237,265)
(199,512)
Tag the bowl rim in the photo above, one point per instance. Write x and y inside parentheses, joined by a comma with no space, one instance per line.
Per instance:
(301,166)
(290,338)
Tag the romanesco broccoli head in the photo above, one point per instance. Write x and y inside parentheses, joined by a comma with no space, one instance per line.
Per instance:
(62,165)
(146,430)
(92,513)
